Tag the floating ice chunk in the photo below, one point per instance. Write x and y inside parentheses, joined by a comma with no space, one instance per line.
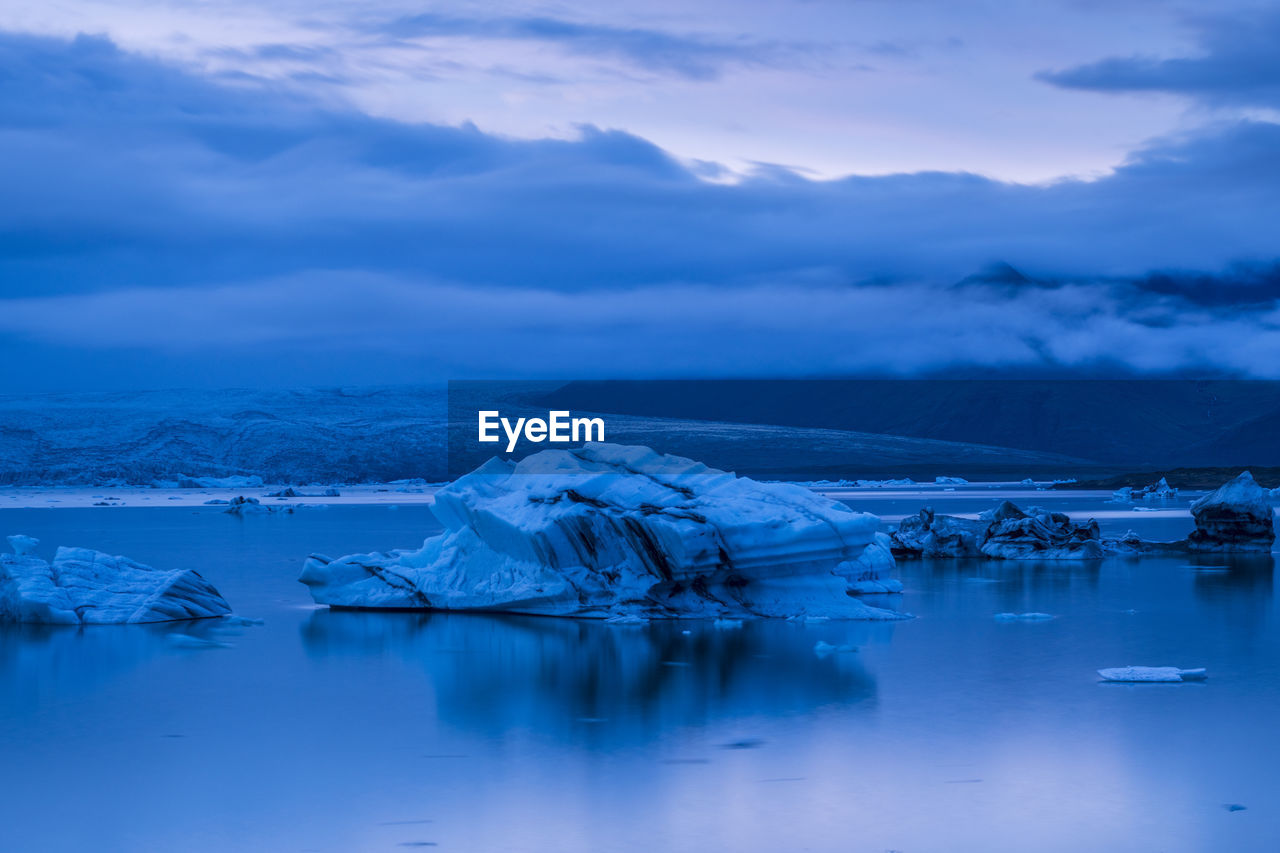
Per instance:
(1237,517)
(22,544)
(950,481)
(1036,534)
(88,587)
(609,530)
(1152,674)
(241,505)
(1005,532)
(190,641)
(241,621)
(822,649)
(1023,617)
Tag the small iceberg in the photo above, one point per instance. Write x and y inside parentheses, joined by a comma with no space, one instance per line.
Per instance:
(86,587)
(1236,518)
(823,649)
(1003,533)
(1152,674)
(23,545)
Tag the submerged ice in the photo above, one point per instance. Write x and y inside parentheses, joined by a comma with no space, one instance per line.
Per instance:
(86,587)
(607,531)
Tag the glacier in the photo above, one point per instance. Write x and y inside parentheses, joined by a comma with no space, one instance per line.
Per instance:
(86,587)
(613,531)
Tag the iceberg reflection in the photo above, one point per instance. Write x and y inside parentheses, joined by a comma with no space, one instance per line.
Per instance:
(500,671)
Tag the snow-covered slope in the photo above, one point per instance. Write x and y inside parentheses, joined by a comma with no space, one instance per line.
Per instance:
(609,530)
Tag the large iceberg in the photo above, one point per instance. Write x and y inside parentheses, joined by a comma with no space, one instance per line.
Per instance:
(86,587)
(610,531)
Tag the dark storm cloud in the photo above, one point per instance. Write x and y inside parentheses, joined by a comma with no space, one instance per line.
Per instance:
(149,210)
(1238,64)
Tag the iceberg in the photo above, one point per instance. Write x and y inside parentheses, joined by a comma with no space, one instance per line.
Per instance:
(607,531)
(1004,533)
(1039,535)
(1236,518)
(23,545)
(1162,674)
(931,535)
(86,587)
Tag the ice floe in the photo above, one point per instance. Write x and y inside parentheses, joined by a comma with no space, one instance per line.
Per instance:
(1164,674)
(608,530)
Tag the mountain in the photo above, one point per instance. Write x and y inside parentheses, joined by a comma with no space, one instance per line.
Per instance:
(1133,423)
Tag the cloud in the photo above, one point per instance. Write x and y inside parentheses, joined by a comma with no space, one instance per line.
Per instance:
(661,330)
(693,56)
(153,211)
(1238,65)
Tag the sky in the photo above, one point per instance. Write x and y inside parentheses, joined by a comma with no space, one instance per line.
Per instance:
(287,193)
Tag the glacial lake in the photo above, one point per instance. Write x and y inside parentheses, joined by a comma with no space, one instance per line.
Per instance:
(342,731)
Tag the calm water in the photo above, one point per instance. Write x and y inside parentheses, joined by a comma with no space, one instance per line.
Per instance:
(351,732)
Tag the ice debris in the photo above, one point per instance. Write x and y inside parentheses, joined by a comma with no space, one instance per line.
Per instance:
(1164,674)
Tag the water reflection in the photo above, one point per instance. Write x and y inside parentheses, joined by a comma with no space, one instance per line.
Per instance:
(1033,577)
(1236,587)
(496,672)
(42,661)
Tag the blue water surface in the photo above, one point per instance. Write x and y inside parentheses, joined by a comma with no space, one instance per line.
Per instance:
(348,731)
